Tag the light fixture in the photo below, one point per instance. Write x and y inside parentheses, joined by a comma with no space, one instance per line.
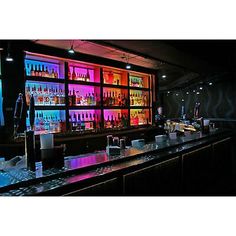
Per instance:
(177,94)
(71,50)
(163,76)
(168,92)
(128,66)
(198,93)
(201,88)
(187,93)
(210,83)
(182,100)
(9,58)
(194,91)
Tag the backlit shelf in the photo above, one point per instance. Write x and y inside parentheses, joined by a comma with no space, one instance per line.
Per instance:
(84,107)
(45,79)
(83,83)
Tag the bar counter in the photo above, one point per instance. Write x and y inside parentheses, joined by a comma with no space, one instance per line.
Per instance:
(156,169)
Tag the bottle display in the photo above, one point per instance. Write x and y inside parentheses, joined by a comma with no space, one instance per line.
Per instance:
(139,98)
(139,82)
(115,119)
(45,94)
(124,95)
(48,121)
(85,120)
(114,78)
(41,69)
(115,97)
(82,74)
(81,95)
(139,117)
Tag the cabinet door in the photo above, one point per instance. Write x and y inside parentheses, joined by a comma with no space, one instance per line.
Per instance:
(160,179)
(197,169)
(107,188)
(222,156)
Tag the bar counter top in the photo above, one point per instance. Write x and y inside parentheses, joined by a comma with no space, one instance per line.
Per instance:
(81,168)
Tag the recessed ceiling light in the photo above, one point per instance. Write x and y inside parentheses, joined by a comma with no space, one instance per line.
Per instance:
(198,93)
(163,76)
(187,93)
(177,94)
(201,88)
(210,83)
(182,100)
(168,92)
(194,91)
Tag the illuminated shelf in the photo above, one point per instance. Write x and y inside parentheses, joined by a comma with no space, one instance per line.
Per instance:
(115,107)
(139,88)
(45,79)
(83,83)
(84,107)
(53,107)
(139,107)
(115,86)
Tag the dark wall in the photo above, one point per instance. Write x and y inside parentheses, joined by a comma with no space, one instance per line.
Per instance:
(217,101)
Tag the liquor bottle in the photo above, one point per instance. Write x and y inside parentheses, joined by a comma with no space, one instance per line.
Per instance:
(53,73)
(113,99)
(77,98)
(32,71)
(82,122)
(36,73)
(86,116)
(145,102)
(46,72)
(79,122)
(40,71)
(56,74)
(112,122)
(110,100)
(108,123)
(73,74)
(43,71)
(123,101)
(56,100)
(87,76)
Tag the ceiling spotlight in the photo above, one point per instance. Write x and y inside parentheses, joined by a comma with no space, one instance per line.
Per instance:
(198,93)
(187,93)
(168,92)
(163,76)
(210,83)
(201,88)
(182,100)
(128,66)
(194,91)
(71,50)
(177,94)
(9,58)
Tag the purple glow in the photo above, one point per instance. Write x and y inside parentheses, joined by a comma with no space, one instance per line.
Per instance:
(84,90)
(82,71)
